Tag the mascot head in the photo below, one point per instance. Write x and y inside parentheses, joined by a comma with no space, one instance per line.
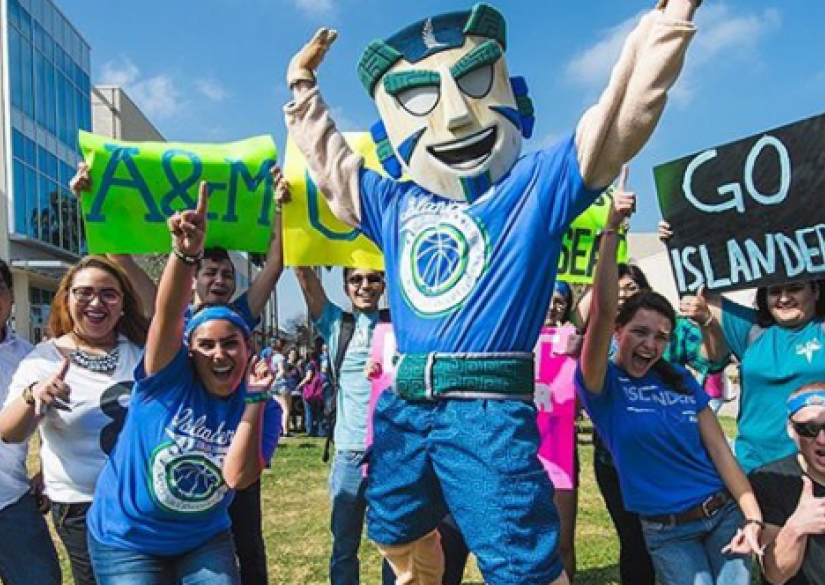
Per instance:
(451,117)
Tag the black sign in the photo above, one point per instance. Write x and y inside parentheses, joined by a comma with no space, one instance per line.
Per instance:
(750,213)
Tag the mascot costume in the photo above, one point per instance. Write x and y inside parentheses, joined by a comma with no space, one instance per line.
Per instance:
(464,240)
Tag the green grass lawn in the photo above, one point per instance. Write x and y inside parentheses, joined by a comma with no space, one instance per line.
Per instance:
(296,513)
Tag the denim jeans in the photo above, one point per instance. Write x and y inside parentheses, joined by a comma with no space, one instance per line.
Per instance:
(348,503)
(313,417)
(247,533)
(212,563)
(690,553)
(27,553)
(70,524)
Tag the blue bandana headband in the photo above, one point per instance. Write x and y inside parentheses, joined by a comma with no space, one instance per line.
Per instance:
(211,314)
(562,287)
(800,401)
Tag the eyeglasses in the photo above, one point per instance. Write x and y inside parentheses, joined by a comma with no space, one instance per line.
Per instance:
(357,280)
(809,430)
(85,294)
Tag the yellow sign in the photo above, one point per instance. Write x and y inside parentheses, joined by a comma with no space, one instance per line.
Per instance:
(313,236)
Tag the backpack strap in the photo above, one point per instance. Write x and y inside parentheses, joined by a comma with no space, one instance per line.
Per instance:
(345,333)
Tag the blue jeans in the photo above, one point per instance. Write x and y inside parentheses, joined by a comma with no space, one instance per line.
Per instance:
(689,554)
(313,417)
(212,563)
(27,553)
(348,503)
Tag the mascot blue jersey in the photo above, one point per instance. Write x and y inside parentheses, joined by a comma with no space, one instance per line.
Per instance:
(475,277)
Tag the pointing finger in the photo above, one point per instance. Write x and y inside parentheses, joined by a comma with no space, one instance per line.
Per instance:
(623,175)
(203,198)
(63,369)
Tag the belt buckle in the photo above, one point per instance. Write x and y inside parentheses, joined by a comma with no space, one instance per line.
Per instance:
(706,506)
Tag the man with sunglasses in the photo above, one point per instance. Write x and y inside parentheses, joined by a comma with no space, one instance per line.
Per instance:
(791,493)
(347,484)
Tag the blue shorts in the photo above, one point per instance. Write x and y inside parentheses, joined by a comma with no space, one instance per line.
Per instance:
(478,460)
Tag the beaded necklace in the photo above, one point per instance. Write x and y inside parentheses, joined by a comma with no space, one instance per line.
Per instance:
(106,362)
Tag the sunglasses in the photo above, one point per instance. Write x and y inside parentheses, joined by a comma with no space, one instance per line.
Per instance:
(85,294)
(809,430)
(359,279)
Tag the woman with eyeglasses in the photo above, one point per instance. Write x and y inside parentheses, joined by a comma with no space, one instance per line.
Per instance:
(75,388)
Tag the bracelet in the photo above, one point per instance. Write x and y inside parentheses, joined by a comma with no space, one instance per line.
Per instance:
(708,322)
(190,260)
(753,521)
(256,397)
(28,394)
(606,231)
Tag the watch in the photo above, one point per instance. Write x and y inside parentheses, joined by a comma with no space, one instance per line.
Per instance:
(28,394)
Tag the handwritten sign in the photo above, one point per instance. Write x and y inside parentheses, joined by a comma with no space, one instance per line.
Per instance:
(313,236)
(555,399)
(138,185)
(580,246)
(748,213)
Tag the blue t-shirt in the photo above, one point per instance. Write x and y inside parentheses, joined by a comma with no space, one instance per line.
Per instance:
(354,386)
(475,277)
(162,490)
(773,365)
(653,435)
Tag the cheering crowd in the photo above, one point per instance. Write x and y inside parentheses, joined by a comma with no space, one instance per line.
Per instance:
(157,416)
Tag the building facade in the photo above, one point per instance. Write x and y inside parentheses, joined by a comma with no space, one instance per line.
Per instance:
(45,70)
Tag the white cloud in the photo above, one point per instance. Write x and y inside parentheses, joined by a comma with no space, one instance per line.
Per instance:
(591,68)
(122,72)
(725,35)
(212,89)
(344,122)
(315,8)
(159,96)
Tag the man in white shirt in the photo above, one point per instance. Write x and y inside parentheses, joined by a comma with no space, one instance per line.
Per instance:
(27,554)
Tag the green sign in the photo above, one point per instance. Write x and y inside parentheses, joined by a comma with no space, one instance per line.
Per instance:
(136,186)
(580,246)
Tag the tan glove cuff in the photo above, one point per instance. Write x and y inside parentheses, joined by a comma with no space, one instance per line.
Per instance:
(296,74)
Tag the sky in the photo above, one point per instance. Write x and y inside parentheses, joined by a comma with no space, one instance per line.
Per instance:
(214,70)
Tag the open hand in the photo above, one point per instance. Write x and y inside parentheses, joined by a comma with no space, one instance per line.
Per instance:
(303,65)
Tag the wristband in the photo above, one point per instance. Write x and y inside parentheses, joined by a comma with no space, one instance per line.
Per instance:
(190,260)
(606,231)
(256,397)
(753,521)
(28,394)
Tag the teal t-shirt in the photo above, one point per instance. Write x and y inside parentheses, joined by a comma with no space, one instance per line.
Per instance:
(354,386)
(773,364)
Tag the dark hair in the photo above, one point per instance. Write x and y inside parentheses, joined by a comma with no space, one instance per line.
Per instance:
(5,274)
(216,255)
(653,301)
(567,292)
(133,324)
(764,318)
(635,273)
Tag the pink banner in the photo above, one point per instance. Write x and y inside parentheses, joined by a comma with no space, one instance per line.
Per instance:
(382,353)
(556,403)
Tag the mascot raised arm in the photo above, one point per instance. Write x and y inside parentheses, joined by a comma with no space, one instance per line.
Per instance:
(471,243)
